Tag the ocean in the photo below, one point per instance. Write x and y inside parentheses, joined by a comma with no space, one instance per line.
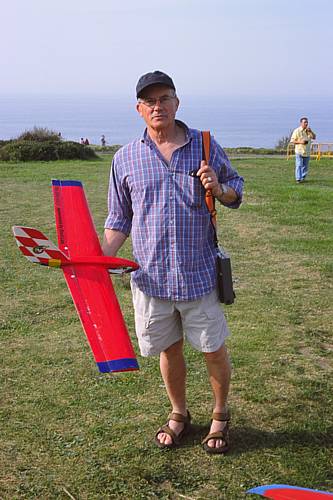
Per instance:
(255,122)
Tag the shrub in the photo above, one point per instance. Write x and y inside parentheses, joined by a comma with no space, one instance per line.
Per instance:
(73,150)
(40,134)
(249,150)
(107,149)
(4,142)
(283,142)
(45,151)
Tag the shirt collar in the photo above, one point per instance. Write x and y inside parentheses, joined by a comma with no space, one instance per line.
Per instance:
(189,136)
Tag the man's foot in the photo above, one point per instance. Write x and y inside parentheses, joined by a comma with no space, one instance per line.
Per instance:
(216,427)
(170,434)
(217,440)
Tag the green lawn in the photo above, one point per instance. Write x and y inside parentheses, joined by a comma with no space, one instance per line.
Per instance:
(69,432)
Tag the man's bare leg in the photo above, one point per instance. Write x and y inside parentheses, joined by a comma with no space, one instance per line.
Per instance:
(173,370)
(219,370)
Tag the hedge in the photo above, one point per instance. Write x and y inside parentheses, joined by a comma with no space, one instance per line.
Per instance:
(40,134)
(45,151)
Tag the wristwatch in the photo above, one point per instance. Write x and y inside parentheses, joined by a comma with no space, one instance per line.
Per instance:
(224,188)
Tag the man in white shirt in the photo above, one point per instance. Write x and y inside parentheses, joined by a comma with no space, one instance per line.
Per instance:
(301,137)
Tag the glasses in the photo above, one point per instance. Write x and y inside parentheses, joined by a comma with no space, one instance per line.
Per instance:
(151,102)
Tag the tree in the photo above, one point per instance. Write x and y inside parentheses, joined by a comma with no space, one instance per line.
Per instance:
(283,141)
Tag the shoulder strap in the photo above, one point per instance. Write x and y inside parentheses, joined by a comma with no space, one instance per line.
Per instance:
(209,198)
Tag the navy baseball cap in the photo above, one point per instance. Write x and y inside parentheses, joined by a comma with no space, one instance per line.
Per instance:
(154,78)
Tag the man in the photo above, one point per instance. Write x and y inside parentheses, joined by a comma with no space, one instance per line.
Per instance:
(301,137)
(157,193)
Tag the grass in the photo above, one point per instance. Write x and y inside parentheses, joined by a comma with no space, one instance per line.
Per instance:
(70,432)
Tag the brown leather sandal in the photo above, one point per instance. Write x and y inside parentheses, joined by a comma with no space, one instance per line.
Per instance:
(176,438)
(224,434)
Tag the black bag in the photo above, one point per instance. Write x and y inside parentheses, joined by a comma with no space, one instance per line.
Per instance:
(224,278)
(223,265)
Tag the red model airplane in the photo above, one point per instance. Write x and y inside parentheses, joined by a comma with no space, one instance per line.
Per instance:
(286,492)
(86,271)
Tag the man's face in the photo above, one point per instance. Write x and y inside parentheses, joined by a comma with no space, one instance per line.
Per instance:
(304,124)
(158,106)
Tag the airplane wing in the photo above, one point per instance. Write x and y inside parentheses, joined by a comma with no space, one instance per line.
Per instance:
(285,492)
(90,286)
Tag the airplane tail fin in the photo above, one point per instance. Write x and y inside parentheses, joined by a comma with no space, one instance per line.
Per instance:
(37,248)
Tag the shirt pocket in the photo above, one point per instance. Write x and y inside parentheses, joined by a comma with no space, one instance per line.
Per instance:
(192,191)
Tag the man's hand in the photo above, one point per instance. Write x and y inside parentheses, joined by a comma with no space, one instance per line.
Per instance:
(310,133)
(300,141)
(208,179)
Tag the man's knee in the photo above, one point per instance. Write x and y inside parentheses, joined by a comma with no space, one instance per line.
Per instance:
(174,349)
(219,356)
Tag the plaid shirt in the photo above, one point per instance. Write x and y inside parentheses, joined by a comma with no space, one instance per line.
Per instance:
(163,207)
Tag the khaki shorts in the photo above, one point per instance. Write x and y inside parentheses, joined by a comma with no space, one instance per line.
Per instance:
(161,323)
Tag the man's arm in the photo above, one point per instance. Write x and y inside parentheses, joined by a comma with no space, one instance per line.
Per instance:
(311,133)
(300,141)
(224,182)
(112,241)
(223,193)
(118,223)
(296,140)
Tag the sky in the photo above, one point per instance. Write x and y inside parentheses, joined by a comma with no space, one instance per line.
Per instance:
(222,47)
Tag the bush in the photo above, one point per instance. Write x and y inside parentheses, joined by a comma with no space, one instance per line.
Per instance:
(40,134)
(283,142)
(4,142)
(249,150)
(73,150)
(25,150)
(107,149)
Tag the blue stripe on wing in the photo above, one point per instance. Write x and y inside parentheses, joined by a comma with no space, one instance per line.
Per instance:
(57,182)
(118,365)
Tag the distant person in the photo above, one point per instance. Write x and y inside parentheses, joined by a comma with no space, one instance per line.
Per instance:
(86,142)
(157,193)
(302,137)
(82,140)
(103,141)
